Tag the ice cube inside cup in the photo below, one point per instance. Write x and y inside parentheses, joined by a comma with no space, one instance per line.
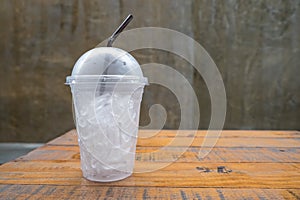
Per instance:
(107,85)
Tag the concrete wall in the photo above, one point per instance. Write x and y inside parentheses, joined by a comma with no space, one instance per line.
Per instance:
(255,44)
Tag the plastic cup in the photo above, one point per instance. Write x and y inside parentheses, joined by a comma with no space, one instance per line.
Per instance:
(107,108)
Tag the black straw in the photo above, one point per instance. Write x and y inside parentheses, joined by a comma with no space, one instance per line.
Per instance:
(119,30)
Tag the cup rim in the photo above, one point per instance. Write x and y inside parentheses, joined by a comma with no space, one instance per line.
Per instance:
(92,79)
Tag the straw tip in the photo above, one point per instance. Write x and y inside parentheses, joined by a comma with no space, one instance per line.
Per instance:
(130,17)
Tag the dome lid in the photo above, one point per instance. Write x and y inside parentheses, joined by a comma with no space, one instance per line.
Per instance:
(106,64)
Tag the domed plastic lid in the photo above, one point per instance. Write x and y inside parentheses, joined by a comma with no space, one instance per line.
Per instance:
(107,64)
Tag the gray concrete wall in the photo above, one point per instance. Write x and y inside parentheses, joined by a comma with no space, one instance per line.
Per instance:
(255,44)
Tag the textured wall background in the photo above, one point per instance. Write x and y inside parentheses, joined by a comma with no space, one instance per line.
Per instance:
(255,44)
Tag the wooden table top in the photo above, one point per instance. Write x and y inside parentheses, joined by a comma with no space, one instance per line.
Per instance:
(258,165)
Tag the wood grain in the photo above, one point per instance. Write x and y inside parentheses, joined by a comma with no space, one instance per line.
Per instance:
(263,167)
(69,139)
(100,192)
(217,154)
(245,175)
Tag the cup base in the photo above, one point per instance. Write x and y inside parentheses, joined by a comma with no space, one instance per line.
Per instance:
(100,178)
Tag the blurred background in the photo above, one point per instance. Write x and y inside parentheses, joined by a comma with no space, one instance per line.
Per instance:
(255,44)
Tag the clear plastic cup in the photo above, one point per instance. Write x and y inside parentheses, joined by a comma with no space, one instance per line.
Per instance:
(107,108)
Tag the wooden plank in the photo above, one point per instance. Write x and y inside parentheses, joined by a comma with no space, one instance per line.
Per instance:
(224,133)
(243,175)
(221,142)
(275,155)
(70,138)
(239,155)
(100,192)
(53,152)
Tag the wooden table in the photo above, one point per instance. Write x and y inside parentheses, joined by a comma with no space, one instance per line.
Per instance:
(259,164)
